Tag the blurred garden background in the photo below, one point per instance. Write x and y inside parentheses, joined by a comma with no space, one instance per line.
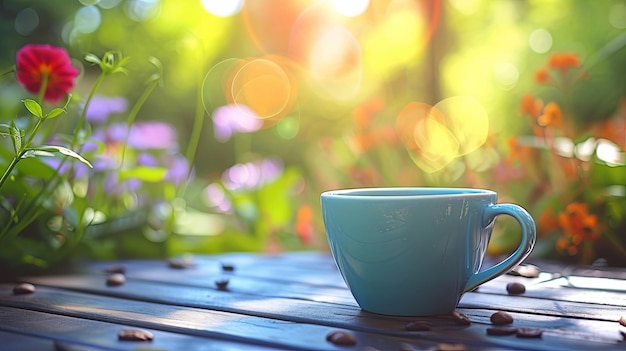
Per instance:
(223,121)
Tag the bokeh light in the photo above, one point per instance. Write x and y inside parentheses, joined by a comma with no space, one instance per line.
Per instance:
(26,21)
(141,10)
(87,19)
(351,8)
(540,41)
(436,135)
(223,8)
(264,86)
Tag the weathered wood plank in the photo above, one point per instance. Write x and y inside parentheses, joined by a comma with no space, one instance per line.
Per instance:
(336,315)
(302,295)
(39,331)
(241,328)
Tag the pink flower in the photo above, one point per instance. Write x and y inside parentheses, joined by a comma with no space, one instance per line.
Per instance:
(45,64)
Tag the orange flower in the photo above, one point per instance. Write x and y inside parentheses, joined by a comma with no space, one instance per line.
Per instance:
(304,224)
(578,225)
(564,61)
(518,152)
(552,115)
(542,76)
(530,106)
(547,222)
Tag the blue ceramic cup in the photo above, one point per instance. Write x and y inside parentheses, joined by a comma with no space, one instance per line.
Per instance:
(415,251)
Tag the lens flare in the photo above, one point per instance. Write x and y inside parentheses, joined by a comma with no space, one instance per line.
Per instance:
(265,87)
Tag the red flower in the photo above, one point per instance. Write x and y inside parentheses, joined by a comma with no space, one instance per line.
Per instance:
(45,64)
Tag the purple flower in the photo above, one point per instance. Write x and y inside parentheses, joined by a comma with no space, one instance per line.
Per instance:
(153,135)
(102,107)
(142,136)
(178,169)
(230,119)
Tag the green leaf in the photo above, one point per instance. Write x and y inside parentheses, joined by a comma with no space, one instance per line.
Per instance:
(55,112)
(16,136)
(45,150)
(33,107)
(93,59)
(147,174)
(34,153)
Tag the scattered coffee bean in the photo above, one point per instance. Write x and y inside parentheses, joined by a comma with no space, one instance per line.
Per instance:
(515,288)
(135,335)
(501,331)
(417,326)
(227,267)
(178,263)
(221,284)
(530,333)
(450,347)
(115,269)
(501,318)
(460,318)
(622,320)
(116,279)
(23,289)
(342,338)
(526,271)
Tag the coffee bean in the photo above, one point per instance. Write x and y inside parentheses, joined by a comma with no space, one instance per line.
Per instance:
(115,269)
(222,284)
(515,288)
(501,318)
(417,326)
(460,318)
(23,289)
(623,334)
(622,320)
(227,267)
(526,271)
(342,338)
(116,279)
(135,335)
(501,331)
(450,347)
(178,263)
(529,333)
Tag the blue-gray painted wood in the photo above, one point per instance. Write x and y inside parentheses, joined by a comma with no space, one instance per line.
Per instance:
(291,301)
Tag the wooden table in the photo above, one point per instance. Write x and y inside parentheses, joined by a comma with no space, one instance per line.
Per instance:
(293,301)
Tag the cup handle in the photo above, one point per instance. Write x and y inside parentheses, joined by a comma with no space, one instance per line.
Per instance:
(523,250)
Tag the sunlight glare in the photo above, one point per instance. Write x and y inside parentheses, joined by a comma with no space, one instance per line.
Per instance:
(223,8)
(351,8)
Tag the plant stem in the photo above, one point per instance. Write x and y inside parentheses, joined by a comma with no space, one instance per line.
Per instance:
(196,133)
(132,115)
(81,119)
(20,153)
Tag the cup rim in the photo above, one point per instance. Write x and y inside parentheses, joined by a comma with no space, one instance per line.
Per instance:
(413,192)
